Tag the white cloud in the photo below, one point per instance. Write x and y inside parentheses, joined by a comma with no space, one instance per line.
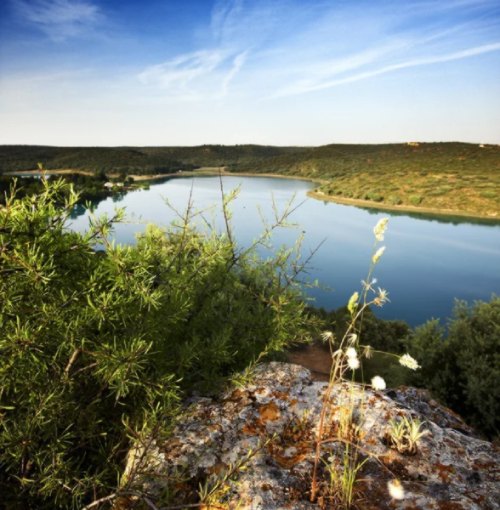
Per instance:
(195,76)
(182,70)
(238,63)
(59,19)
(225,15)
(311,86)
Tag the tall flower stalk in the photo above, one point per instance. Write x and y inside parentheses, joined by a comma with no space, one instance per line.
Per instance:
(345,354)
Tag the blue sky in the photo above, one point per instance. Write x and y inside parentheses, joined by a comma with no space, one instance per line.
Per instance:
(284,72)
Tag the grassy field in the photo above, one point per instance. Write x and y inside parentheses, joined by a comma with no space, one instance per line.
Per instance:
(451,178)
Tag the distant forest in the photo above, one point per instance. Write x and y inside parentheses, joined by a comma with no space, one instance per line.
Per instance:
(137,160)
(323,162)
(445,176)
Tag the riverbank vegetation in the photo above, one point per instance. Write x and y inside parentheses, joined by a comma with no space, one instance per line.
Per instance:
(89,187)
(448,177)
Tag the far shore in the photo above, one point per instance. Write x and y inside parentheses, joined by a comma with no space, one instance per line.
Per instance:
(141,177)
(318,195)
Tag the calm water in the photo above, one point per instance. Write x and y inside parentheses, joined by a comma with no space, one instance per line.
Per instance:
(427,264)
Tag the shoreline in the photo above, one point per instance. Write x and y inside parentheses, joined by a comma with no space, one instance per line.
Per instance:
(369,204)
(317,195)
(137,177)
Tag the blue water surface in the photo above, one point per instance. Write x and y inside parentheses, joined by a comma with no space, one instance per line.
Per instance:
(428,262)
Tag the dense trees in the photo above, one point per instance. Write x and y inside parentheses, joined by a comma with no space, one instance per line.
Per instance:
(461,365)
(328,161)
(134,160)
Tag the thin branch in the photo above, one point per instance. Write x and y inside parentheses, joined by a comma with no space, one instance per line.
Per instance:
(99,501)
(71,362)
(119,494)
(225,213)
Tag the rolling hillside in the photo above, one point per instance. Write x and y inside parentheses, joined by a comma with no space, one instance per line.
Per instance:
(450,177)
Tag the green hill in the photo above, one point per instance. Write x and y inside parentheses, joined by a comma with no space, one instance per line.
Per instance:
(449,177)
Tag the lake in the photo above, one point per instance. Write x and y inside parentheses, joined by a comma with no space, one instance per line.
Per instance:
(428,262)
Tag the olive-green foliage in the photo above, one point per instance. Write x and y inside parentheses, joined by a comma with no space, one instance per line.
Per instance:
(462,368)
(97,346)
(329,161)
(454,176)
(135,160)
(31,185)
(88,187)
(383,335)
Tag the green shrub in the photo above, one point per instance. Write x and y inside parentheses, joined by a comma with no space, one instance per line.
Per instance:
(394,200)
(463,368)
(489,194)
(374,196)
(415,199)
(97,346)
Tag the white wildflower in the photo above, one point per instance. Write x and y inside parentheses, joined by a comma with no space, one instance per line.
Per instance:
(368,352)
(381,298)
(351,352)
(378,383)
(352,338)
(352,358)
(353,363)
(327,336)
(407,361)
(378,254)
(369,285)
(337,353)
(380,229)
(395,489)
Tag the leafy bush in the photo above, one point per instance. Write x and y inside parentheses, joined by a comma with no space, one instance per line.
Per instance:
(463,368)
(415,199)
(97,346)
(374,196)
(394,200)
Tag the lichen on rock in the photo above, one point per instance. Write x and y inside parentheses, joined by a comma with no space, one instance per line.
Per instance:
(255,447)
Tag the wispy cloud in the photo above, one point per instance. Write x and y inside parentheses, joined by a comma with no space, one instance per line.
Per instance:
(225,15)
(209,72)
(284,48)
(311,86)
(238,62)
(198,75)
(59,19)
(182,70)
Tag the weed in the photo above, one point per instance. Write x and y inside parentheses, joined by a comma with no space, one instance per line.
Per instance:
(343,471)
(405,434)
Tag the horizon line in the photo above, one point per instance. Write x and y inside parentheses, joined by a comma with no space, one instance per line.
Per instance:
(407,142)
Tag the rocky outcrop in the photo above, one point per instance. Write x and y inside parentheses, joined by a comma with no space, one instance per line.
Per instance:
(254,449)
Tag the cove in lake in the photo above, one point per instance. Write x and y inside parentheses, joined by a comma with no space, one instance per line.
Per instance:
(427,264)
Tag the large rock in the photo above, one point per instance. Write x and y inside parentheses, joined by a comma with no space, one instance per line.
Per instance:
(255,446)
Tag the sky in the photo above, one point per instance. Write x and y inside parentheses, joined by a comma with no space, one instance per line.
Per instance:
(275,72)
